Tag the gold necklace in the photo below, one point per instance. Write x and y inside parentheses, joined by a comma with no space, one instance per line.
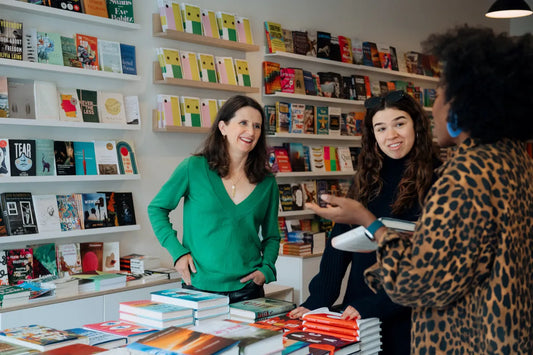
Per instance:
(234,185)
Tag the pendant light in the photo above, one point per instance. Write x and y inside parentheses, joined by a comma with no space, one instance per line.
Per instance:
(509,9)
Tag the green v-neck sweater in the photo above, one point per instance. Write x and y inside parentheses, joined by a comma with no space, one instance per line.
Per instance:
(226,241)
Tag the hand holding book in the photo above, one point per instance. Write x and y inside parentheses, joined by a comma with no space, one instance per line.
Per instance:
(343,210)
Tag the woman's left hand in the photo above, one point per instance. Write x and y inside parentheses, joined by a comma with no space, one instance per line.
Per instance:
(350,313)
(343,210)
(257,277)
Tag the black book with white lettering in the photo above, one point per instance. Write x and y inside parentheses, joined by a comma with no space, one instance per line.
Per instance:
(18,213)
(22,157)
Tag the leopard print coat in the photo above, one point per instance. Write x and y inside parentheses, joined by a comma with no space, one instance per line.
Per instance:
(467,271)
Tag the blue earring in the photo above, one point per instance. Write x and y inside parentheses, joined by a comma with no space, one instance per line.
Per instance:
(453,129)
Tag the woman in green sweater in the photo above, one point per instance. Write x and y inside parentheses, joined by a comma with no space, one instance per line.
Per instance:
(230,208)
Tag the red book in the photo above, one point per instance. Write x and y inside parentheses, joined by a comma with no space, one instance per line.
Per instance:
(282,157)
(87,51)
(271,77)
(333,319)
(330,343)
(121,328)
(284,322)
(78,349)
(311,326)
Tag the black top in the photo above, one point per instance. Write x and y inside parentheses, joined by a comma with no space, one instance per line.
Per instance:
(325,286)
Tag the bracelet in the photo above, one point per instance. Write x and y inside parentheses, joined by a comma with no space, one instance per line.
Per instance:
(372,228)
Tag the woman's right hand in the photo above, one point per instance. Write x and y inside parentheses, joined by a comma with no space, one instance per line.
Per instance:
(298,312)
(185,265)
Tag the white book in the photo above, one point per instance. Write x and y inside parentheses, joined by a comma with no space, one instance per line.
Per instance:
(69,105)
(344,158)
(111,256)
(106,157)
(109,56)
(46,100)
(133,112)
(4,157)
(156,323)
(356,240)
(30,45)
(20,98)
(111,107)
(316,156)
(47,213)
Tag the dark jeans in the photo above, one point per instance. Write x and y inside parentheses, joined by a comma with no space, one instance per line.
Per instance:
(248,292)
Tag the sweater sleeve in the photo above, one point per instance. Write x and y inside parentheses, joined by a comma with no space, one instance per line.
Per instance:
(325,287)
(270,234)
(164,202)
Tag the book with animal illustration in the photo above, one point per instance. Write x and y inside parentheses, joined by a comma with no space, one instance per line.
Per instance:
(64,158)
(47,213)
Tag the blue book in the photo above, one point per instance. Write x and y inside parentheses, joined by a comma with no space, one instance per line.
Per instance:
(94,209)
(85,158)
(129,63)
(189,298)
(155,310)
(45,157)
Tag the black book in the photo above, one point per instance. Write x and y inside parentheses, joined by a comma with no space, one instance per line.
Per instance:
(323,44)
(335,49)
(18,213)
(124,208)
(64,156)
(300,42)
(22,156)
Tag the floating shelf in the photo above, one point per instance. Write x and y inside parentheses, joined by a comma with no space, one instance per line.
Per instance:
(66,124)
(313,98)
(315,174)
(300,136)
(176,129)
(198,39)
(69,15)
(297,213)
(66,178)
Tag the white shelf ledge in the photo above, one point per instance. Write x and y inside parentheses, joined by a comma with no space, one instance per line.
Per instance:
(66,124)
(312,98)
(300,136)
(297,213)
(315,174)
(67,178)
(69,15)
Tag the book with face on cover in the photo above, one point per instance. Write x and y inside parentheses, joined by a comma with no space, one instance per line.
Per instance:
(170,14)
(208,111)
(189,65)
(209,24)
(22,154)
(190,15)
(226,26)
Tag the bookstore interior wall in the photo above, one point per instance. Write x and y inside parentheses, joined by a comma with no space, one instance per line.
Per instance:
(401,24)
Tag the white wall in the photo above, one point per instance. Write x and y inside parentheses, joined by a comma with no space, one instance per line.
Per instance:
(399,23)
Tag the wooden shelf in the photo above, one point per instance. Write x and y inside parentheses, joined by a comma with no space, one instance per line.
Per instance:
(30,238)
(66,124)
(325,174)
(175,129)
(312,98)
(198,39)
(65,70)
(158,79)
(363,68)
(67,178)
(68,15)
(300,136)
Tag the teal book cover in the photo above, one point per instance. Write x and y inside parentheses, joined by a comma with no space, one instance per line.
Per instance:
(45,157)
(85,159)
(49,49)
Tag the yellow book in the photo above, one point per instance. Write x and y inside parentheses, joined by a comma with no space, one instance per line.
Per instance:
(190,111)
(209,24)
(244,30)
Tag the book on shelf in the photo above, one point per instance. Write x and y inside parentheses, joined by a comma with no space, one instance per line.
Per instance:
(44,260)
(285,197)
(91,256)
(121,10)
(46,100)
(274,37)
(111,255)
(128,59)
(244,30)
(88,100)
(127,330)
(12,296)
(345,159)
(299,84)
(84,158)
(4,280)
(106,157)
(49,49)
(287,76)
(322,120)
(70,52)
(334,121)
(190,111)
(64,158)
(271,77)
(384,56)
(283,116)
(208,111)
(19,265)
(323,44)
(169,62)
(169,110)
(20,98)
(11,33)
(297,118)
(309,191)
(22,154)
(190,14)
(111,107)
(225,70)
(309,83)
(206,64)
(94,7)
(68,5)
(287,38)
(226,26)
(270,119)
(69,105)
(132,110)
(69,209)
(109,56)
(124,209)
(345,45)
(242,72)
(335,52)
(40,337)
(282,159)
(170,15)
(92,281)
(296,156)
(5,164)
(300,42)
(126,158)
(189,65)
(189,298)
(68,259)
(94,210)
(209,24)
(87,51)
(4,102)
(260,307)
(18,213)
(176,340)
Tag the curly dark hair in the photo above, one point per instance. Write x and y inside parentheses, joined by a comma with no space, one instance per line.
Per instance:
(418,174)
(215,149)
(488,80)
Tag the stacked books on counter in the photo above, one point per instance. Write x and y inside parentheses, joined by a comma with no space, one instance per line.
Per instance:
(257,309)
(155,314)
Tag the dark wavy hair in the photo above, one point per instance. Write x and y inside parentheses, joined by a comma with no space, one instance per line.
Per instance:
(215,149)
(488,80)
(418,175)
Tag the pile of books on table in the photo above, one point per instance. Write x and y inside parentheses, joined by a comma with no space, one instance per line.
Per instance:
(257,309)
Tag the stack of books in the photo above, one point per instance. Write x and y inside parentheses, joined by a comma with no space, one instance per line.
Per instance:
(141,263)
(206,306)
(99,281)
(130,331)
(155,314)
(100,339)
(282,323)
(64,287)
(170,273)
(295,248)
(11,296)
(369,335)
(40,337)
(257,309)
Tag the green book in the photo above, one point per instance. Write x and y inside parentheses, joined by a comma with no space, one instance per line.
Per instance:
(70,56)
(49,48)
(88,100)
(121,10)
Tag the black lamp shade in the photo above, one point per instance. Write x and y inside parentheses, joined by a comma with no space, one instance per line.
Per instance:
(509,9)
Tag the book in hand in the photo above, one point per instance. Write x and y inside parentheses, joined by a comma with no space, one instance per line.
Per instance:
(189,298)
(40,337)
(260,307)
(356,240)
(128,330)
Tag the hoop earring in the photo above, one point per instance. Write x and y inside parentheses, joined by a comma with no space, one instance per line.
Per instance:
(453,129)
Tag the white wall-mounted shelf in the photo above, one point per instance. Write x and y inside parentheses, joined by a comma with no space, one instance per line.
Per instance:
(67,178)
(298,213)
(301,136)
(65,70)
(66,124)
(176,129)
(59,13)
(312,98)
(28,238)
(362,68)
(306,174)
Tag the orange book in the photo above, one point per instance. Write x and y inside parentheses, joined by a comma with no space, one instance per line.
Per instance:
(87,51)
(344,337)
(78,349)
(312,326)
(95,7)
(331,319)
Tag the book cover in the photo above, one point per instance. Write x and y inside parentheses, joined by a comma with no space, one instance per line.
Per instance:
(244,30)
(301,42)
(260,307)
(189,65)
(87,51)
(329,343)
(210,24)
(100,339)
(121,10)
(297,118)
(283,117)
(46,100)
(111,107)
(94,7)
(123,329)
(111,220)
(13,349)
(49,49)
(127,57)
(69,52)
(69,105)
(94,210)
(125,212)
(91,256)
(345,159)
(29,52)
(170,15)
(285,197)
(190,111)
(109,56)
(225,70)
(169,110)
(68,5)
(111,255)
(345,45)
(11,46)
(106,157)
(155,310)
(88,100)
(296,155)
(4,102)
(47,213)
(309,191)
(69,212)
(19,265)
(170,62)
(4,280)
(208,111)
(126,158)
(274,37)
(322,118)
(190,15)
(40,337)
(132,110)
(207,67)
(189,298)
(44,260)
(5,164)
(283,322)
(320,327)
(282,159)
(64,158)
(85,159)
(334,121)
(226,26)
(68,259)
(270,119)
(20,98)
(157,323)
(18,213)
(22,155)
(287,76)
(321,188)
(287,38)
(271,77)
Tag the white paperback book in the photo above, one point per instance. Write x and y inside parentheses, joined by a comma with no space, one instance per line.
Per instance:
(356,240)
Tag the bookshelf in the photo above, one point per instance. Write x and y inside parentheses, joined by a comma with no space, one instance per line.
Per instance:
(65,124)
(175,129)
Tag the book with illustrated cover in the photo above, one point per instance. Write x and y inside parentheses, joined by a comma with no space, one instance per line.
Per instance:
(242,72)
(189,298)
(46,100)
(19,265)
(287,38)
(283,322)
(274,37)
(155,310)
(4,280)
(208,111)
(94,210)
(282,159)
(120,328)
(88,100)
(64,158)
(4,102)
(11,46)
(100,339)
(125,212)
(18,213)
(283,116)
(128,59)
(70,52)
(49,48)
(91,256)
(68,259)
(111,256)
(328,343)
(5,164)
(111,107)
(69,212)
(106,157)
(44,260)
(225,70)
(126,158)
(190,14)
(84,157)
(22,154)
(40,337)
(21,99)
(271,77)
(168,107)
(13,349)
(322,120)
(260,307)
(170,15)
(190,111)
(345,159)
(270,119)
(210,24)
(287,80)
(109,56)
(46,213)
(297,118)
(69,105)
(207,67)
(244,30)
(189,65)
(87,51)
(285,197)
(170,63)
(121,10)
(309,191)
(226,26)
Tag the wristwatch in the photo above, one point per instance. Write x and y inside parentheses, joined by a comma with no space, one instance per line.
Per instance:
(372,228)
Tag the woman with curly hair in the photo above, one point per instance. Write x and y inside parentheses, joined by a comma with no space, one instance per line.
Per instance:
(394,173)
(467,269)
